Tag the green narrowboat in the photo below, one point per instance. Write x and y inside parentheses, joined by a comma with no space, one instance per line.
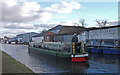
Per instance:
(67,50)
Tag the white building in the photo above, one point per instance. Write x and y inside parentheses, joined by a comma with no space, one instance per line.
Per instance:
(108,36)
(37,38)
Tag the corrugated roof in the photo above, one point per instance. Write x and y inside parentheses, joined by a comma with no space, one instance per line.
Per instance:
(64,30)
(95,28)
(71,30)
(58,27)
(44,34)
(39,35)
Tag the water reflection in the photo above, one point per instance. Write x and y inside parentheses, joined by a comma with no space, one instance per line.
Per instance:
(105,59)
(63,66)
(101,63)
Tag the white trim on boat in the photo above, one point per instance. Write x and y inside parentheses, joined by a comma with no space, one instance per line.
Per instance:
(83,55)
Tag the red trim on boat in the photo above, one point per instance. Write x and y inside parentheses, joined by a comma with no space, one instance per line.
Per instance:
(79,59)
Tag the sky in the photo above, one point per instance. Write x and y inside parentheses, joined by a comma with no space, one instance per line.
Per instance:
(22,16)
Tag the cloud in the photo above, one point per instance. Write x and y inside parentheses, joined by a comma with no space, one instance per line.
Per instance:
(53,24)
(64,7)
(28,26)
(113,22)
(35,26)
(22,11)
(67,23)
(58,16)
(17,26)
(11,33)
(45,26)
(14,32)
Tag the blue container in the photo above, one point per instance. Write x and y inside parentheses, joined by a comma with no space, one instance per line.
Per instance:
(88,49)
(107,51)
(93,50)
(96,50)
(115,51)
(85,49)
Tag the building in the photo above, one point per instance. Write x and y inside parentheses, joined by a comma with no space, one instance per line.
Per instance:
(38,38)
(55,29)
(5,39)
(58,34)
(66,33)
(12,39)
(94,36)
(49,37)
(1,40)
(105,36)
(44,36)
(27,37)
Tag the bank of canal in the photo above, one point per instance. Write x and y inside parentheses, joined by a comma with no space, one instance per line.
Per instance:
(10,65)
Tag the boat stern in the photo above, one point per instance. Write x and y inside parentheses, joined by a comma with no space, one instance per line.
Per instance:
(80,58)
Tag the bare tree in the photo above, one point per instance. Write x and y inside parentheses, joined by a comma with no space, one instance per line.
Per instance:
(44,30)
(82,22)
(74,23)
(101,23)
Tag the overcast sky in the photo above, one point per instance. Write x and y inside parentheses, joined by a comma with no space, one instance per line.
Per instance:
(22,16)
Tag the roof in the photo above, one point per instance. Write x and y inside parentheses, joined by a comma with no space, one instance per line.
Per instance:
(39,35)
(58,27)
(71,30)
(27,33)
(64,30)
(48,33)
(95,28)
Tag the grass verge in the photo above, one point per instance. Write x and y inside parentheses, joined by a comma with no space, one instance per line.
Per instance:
(10,65)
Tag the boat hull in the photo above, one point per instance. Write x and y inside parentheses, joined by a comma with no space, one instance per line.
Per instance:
(60,56)
(79,59)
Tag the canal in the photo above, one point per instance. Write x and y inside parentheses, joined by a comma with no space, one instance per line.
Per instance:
(98,63)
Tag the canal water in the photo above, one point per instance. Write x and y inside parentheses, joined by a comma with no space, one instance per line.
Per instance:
(98,63)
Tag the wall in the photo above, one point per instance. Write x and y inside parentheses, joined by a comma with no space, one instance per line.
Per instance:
(63,38)
(26,38)
(111,33)
(37,39)
(119,33)
(83,36)
(103,37)
(68,38)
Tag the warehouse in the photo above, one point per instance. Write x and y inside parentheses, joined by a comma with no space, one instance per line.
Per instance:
(105,36)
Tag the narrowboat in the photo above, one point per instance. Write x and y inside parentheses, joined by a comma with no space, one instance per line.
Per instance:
(64,50)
